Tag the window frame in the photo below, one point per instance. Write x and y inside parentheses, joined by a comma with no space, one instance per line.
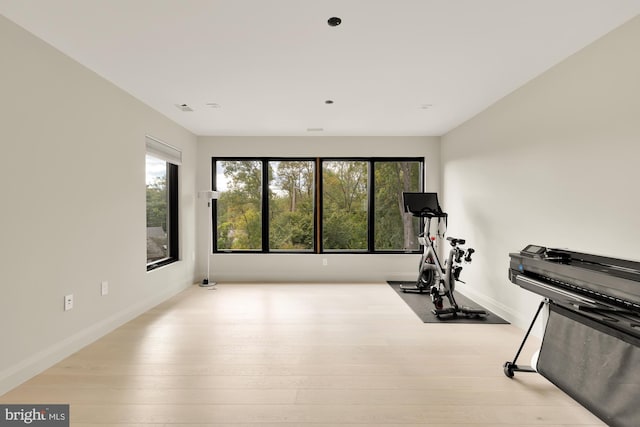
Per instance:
(173,224)
(214,206)
(264,205)
(318,203)
(265,194)
(320,233)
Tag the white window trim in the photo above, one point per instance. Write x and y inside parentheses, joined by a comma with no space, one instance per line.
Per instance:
(162,150)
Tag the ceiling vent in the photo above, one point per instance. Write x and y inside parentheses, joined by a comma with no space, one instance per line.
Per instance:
(184,107)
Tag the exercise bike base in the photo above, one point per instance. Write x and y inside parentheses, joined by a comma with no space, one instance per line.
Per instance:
(413,288)
(453,311)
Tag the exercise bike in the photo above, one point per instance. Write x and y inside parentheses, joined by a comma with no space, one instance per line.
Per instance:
(434,278)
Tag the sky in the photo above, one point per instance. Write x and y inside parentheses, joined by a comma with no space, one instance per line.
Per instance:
(155,168)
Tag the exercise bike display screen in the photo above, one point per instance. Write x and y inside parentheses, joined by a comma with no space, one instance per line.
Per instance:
(422,204)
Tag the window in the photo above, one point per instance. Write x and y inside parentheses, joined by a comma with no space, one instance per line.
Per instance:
(315,205)
(162,207)
(393,228)
(345,204)
(239,206)
(291,205)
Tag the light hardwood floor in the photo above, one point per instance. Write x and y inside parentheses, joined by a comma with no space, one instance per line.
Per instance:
(299,355)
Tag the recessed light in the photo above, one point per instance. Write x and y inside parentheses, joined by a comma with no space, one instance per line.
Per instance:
(213,105)
(328,101)
(334,21)
(315,129)
(425,106)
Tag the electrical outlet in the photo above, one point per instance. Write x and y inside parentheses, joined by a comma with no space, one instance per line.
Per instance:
(68,302)
(104,288)
(325,262)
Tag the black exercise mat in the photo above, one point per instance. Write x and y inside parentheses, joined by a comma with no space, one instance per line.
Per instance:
(421,305)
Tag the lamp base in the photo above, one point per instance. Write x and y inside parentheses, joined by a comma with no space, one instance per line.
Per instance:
(206,283)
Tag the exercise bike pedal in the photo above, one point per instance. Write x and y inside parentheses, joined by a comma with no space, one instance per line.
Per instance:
(437,302)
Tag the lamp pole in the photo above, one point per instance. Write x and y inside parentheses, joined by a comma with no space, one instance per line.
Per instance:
(210,196)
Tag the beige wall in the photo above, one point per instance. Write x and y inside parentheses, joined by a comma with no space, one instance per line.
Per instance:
(73,206)
(309,267)
(555,163)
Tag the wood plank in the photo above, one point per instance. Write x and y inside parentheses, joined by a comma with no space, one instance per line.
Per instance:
(299,354)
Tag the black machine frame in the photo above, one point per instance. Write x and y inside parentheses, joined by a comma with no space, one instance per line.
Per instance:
(591,342)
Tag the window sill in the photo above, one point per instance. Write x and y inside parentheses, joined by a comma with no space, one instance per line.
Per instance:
(160,263)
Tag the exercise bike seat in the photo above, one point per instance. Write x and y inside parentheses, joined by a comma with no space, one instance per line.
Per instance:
(455,241)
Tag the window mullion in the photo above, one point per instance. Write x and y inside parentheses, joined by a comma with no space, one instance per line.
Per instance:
(318,207)
(371,208)
(266,213)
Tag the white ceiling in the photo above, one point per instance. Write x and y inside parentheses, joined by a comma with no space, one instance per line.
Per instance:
(271,64)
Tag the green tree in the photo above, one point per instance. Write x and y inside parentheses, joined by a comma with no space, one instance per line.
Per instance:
(345,204)
(239,208)
(394,228)
(291,204)
(157,215)
(157,203)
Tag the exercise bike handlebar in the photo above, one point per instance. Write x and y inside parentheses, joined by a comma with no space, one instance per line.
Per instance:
(428,213)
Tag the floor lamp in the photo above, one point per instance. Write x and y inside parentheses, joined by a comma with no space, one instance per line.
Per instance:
(209,196)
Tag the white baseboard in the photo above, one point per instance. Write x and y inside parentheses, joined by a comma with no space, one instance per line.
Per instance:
(15,375)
